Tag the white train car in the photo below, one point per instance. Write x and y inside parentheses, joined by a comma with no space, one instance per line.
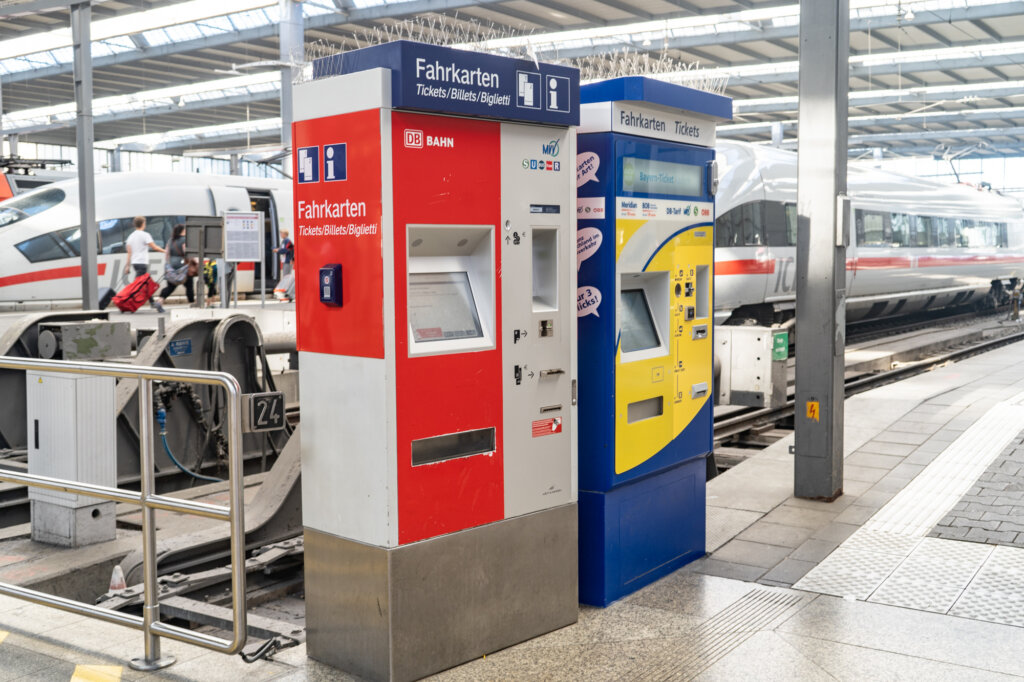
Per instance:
(39,230)
(914,244)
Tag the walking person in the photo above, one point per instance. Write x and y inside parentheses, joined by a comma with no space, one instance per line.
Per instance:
(177,271)
(287,250)
(138,245)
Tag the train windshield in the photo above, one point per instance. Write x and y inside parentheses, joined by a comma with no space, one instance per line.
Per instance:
(19,208)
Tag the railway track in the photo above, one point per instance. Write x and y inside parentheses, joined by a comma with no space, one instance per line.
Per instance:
(747,430)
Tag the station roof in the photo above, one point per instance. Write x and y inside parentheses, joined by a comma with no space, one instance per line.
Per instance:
(927,77)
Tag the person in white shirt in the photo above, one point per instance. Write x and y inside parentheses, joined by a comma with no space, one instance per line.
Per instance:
(138,244)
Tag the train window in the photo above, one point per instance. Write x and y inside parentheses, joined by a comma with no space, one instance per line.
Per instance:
(873,229)
(50,246)
(112,234)
(19,208)
(723,229)
(1004,240)
(750,224)
(775,226)
(161,227)
(791,224)
(900,223)
(918,231)
(945,232)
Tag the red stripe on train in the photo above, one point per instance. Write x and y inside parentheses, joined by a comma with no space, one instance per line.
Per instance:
(745,267)
(939,261)
(47,275)
(880,263)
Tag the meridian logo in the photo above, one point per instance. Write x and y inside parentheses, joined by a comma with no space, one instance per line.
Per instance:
(551,148)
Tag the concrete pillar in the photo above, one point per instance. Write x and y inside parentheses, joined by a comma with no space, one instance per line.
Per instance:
(821,250)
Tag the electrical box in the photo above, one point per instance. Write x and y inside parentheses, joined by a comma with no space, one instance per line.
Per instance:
(645,253)
(71,435)
(753,362)
(438,422)
(92,340)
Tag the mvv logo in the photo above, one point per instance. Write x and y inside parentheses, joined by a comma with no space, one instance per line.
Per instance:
(551,148)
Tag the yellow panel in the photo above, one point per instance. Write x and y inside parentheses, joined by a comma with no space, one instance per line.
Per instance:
(687,363)
(3,636)
(96,673)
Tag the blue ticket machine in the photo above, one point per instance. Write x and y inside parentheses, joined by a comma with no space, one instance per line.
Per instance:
(646,178)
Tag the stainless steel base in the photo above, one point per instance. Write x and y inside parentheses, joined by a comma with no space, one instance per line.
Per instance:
(146,665)
(408,612)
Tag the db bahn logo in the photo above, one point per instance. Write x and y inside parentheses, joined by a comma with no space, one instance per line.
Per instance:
(414,139)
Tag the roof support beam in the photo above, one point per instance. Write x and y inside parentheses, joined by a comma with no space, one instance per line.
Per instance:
(981,91)
(713,36)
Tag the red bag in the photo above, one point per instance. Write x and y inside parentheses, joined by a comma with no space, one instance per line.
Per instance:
(131,298)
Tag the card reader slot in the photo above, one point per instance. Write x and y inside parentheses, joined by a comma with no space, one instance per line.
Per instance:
(699,390)
(452,446)
(551,372)
(550,408)
(699,331)
(645,409)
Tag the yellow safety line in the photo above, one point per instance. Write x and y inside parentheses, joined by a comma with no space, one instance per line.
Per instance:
(96,673)
(3,636)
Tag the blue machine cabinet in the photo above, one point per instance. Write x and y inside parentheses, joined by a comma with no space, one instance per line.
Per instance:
(645,254)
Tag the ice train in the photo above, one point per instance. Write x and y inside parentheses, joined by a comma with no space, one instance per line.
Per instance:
(40,258)
(914,244)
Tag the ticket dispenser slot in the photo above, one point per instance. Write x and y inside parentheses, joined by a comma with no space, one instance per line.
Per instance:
(545,270)
(450,288)
(702,291)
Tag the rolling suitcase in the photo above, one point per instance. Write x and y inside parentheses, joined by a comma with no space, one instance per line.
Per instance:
(285,289)
(131,298)
(106,295)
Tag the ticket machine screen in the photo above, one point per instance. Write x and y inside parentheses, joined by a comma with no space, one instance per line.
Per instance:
(638,330)
(441,307)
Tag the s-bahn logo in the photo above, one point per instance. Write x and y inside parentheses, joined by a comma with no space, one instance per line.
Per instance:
(414,139)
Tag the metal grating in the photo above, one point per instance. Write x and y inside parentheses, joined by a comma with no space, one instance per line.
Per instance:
(713,640)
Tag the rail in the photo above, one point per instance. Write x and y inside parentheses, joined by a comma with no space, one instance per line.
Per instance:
(150,502)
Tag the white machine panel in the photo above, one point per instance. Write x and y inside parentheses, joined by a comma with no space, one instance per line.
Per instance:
(538,236)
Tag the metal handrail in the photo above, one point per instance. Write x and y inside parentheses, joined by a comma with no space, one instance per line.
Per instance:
(149,501)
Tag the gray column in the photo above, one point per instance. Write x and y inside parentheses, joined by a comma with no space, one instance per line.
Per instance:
(115,160)
(821,252)
(81,16)
(12,143)
(235,168)
(292,53)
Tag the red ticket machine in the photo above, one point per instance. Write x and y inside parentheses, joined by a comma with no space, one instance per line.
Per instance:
(435,218)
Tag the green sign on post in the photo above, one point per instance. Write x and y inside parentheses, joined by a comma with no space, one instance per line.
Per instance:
(780,346)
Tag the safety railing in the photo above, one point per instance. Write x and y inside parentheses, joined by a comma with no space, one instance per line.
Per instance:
(150,502)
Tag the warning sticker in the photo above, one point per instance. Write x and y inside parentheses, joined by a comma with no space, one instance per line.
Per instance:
(546,427)
(813,411)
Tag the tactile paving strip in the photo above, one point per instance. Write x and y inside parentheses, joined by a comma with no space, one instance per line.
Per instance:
(849,573)
(934,491)
(934,576)
(889,556)
(997,593)
(707,644)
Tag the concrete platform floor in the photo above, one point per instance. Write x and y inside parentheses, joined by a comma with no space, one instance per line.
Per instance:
(871,586)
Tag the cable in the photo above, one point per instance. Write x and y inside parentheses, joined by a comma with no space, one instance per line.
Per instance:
(161,417)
